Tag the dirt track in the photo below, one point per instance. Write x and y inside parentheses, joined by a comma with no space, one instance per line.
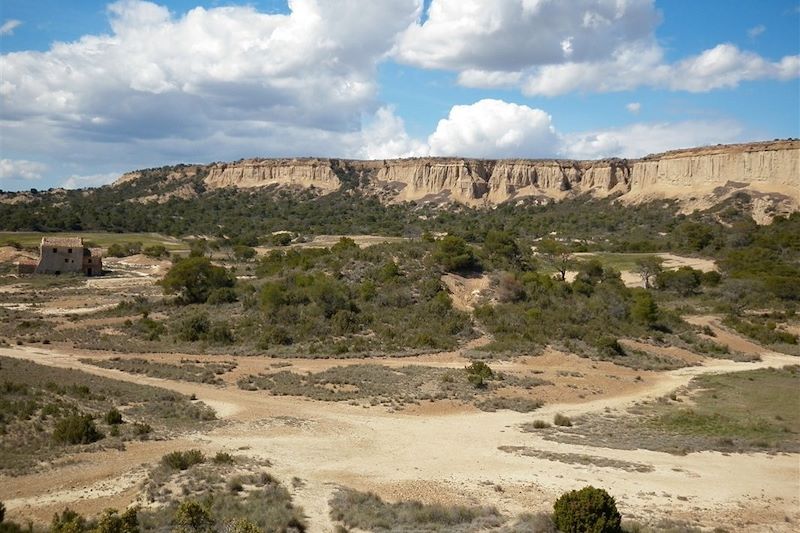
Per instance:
(449,457)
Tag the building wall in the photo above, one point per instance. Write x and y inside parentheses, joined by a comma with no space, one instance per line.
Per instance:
(60,259)
(92,265)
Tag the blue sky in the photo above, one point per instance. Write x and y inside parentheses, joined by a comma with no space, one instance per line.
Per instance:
(92,89)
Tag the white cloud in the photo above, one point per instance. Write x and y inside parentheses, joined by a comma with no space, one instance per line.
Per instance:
(755,31)
(552,48)
(495,129)
(8,27)
(724,66)
(21,169)
(634,107)
(510,35)
(217,83)
(385,137)
(93,180)
(637,140)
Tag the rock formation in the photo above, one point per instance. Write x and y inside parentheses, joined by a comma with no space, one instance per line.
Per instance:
(698,177)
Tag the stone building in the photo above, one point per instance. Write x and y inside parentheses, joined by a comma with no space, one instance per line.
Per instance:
(62,255)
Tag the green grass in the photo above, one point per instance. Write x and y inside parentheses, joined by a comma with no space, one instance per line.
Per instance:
(194,371)
(755,410)
(104,239)
(35,400)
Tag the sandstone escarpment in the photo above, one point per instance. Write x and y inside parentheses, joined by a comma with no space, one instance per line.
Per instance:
(263,172)
(698,177)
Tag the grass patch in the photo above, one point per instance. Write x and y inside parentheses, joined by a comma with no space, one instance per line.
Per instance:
(377,384)
(577,458)
(367,511)
(46,412)
(188,370)
(734,412)
(104,239)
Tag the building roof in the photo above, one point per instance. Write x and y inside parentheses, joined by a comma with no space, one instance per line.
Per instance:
(73,242)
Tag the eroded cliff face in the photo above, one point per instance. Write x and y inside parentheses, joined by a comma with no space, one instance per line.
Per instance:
(697,177)
(262,172)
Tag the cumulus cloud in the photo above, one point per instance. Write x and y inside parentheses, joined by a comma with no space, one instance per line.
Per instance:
(8,27)
(553,48)
(496,129)
(215,83)
(384,137)
(21,169)
(637,140)
(92,180)
(509,35)
(634,107)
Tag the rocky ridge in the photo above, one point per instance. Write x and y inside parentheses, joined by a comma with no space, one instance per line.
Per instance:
(697,177)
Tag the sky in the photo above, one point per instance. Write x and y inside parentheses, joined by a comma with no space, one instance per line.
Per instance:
(91,89)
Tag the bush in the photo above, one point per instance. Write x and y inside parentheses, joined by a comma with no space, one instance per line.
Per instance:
(282,239)
(113,417)
(76,429)
(223,295)
(156,251)
(113,522)
(193,279)
(68,522)
(453,254)
(183,460)
(588,510)
(478,373)
(194,327)
(2,512)
(561,420)
(193,517)
(540,424)
(223,458)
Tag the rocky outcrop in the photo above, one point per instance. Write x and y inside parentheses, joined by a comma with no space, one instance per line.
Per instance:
(697,177)
(262,172)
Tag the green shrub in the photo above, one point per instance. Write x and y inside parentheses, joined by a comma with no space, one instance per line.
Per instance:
(561,420)
(156,251)
(478,373)
(588,510)
(76,429)
(113,522)
(192,517)
(453,254)
(540,424)
(194,327)
(223,295)
(282,238)
(2,512)
(194,278)
(182,460)
(68,522)
(113,417)
(223,458)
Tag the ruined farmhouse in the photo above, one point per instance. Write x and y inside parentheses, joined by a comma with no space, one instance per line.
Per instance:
(62,255)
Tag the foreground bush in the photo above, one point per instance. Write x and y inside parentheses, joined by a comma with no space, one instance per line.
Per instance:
(76,429)
(588,510)
(193,279)
(183,460)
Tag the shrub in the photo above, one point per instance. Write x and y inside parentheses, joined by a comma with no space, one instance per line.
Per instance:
(76,429)
(194,278)
(192,517)
(540,424)
(223,295)
(281,239)
(220,333)
(609,346)
(453,254)
(2,512)
(183,460)
(478,373)
(223,458)
(141,429)
(561,420)
(194,327)
(588,510)
(113,522)
(68,522)
(156,251)
(242,525)
(113,417)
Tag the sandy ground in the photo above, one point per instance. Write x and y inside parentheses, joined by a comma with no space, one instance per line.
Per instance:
(326,241)
(671,261)
(466,293)
(440,455)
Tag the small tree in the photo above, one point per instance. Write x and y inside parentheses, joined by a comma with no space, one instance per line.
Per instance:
(453,254)
(644,309)
(478,373)
(588,510)
(648,268)
(113,417)
(556,255)
(194,278)
(76,429)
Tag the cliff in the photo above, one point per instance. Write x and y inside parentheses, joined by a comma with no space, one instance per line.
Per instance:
(698,177)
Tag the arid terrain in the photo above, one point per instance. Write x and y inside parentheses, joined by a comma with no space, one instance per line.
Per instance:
(434,451)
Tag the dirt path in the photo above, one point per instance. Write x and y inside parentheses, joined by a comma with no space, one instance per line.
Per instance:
(454,458)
